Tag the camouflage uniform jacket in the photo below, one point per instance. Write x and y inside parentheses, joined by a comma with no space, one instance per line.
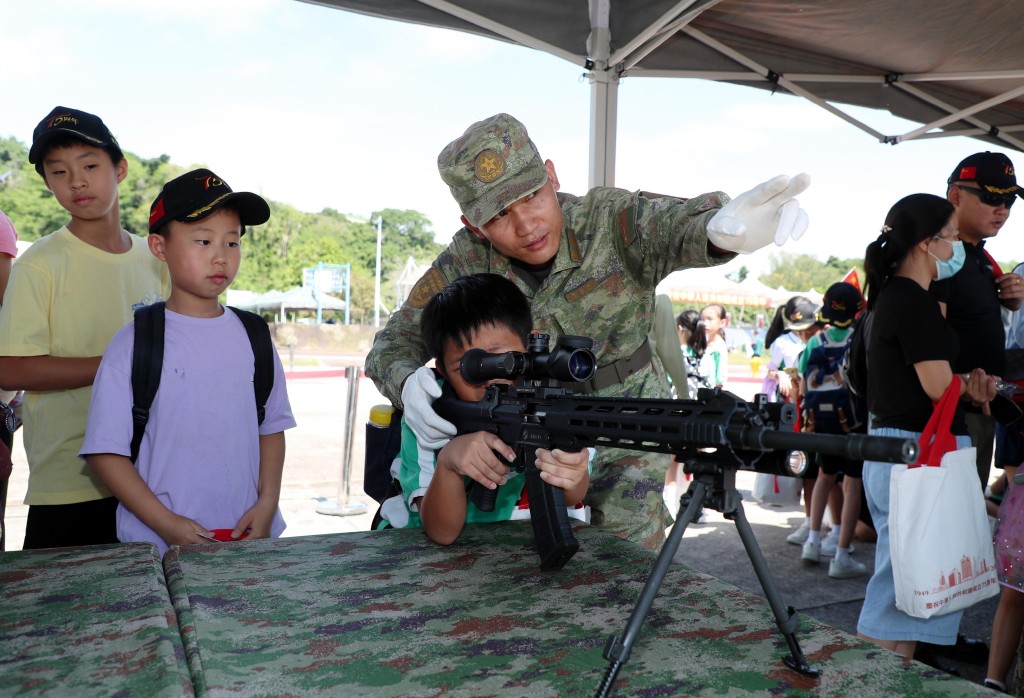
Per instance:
(616,246)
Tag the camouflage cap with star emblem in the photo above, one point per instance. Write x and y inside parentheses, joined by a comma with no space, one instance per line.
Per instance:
(491,166)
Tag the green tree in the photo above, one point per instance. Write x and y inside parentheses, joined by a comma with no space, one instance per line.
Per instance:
(275,254)
(404,234)
(804,272)
(23,195)
(362,297)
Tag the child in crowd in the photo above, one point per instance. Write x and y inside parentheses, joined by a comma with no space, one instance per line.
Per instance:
(793,324)
(435,485)
(715,361)
(74,289)
(693,340)
(706,356)
(819,366)
(205,462)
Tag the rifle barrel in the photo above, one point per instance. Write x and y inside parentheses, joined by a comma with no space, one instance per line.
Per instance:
(850,446)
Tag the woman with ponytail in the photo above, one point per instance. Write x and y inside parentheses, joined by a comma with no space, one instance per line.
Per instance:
(910,352)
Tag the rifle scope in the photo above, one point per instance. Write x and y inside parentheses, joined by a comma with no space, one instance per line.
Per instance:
(571,361)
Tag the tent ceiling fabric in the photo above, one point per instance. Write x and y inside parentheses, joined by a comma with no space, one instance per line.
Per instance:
(956,67)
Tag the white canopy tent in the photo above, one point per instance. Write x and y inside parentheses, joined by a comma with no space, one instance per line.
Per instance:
(297,299)
(700,287)
(956,67)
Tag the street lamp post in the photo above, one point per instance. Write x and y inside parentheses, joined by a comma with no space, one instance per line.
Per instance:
(376,287)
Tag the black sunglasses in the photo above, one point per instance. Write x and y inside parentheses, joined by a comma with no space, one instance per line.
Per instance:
(990,199)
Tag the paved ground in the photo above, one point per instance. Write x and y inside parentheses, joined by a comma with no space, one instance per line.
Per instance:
(313,477)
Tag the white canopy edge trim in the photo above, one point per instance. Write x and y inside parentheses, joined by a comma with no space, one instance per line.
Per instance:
(1001,134)
(666,33)
(760,73)
(780,80)
(657,26)
(503,30)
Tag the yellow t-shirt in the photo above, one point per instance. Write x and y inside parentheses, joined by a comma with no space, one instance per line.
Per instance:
(68,298)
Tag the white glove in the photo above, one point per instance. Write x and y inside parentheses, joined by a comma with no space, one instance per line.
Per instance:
(757,217)
(418,395)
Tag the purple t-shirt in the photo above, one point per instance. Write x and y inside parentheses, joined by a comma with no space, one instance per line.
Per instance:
(200,454)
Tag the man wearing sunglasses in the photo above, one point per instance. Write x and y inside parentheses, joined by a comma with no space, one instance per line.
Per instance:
(982,188)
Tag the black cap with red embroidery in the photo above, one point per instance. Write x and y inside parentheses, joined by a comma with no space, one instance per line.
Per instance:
(197,194)
(991,171)
(840,304)
(65,121)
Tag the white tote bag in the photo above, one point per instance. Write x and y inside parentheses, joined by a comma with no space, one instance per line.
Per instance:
(939,535)
(777,489)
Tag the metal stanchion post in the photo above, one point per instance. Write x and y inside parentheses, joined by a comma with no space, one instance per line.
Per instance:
(342,505)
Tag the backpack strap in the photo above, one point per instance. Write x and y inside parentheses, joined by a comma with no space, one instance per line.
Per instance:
(147,363)
(263,352)
(996,269)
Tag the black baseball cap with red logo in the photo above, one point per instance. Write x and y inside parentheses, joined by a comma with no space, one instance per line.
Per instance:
(197,194)
(65,121)
(840,305)
(992,172)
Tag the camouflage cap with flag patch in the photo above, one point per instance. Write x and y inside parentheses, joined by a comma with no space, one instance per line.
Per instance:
(491,166)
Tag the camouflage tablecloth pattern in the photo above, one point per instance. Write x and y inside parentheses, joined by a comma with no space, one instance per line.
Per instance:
(389,613)
(93,621)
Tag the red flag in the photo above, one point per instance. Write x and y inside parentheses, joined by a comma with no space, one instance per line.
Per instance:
(852,279)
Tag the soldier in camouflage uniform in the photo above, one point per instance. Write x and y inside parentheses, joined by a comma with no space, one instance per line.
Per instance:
(589,266)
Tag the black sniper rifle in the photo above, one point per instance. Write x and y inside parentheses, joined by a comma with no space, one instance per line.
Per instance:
(713,436)
(538,412)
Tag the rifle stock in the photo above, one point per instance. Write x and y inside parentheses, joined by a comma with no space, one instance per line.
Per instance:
(717,426)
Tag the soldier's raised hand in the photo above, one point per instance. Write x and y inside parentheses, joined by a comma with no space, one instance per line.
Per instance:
(767,213)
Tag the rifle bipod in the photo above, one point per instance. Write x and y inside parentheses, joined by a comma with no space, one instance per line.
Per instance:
(712,486)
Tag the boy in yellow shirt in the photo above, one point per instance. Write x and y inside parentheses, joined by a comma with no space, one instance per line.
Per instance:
(69,293)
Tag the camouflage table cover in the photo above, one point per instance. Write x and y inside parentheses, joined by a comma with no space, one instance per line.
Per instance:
(93,621)
(389,613)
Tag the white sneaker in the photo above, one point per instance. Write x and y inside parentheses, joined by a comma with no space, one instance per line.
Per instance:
(799,536)
(811,553)
(844,569)
(829,544)
(700,518)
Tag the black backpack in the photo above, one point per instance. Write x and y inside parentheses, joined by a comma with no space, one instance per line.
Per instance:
(855,363)
(382,447)
(148,362)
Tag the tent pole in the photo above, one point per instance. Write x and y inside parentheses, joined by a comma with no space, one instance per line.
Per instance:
(604,97)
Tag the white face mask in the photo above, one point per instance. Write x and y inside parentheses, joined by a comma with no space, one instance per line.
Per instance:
(945,268)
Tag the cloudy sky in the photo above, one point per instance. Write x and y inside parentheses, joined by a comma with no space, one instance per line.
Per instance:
(321,108)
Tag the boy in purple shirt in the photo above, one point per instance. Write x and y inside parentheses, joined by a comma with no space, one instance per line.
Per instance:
(205,463)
